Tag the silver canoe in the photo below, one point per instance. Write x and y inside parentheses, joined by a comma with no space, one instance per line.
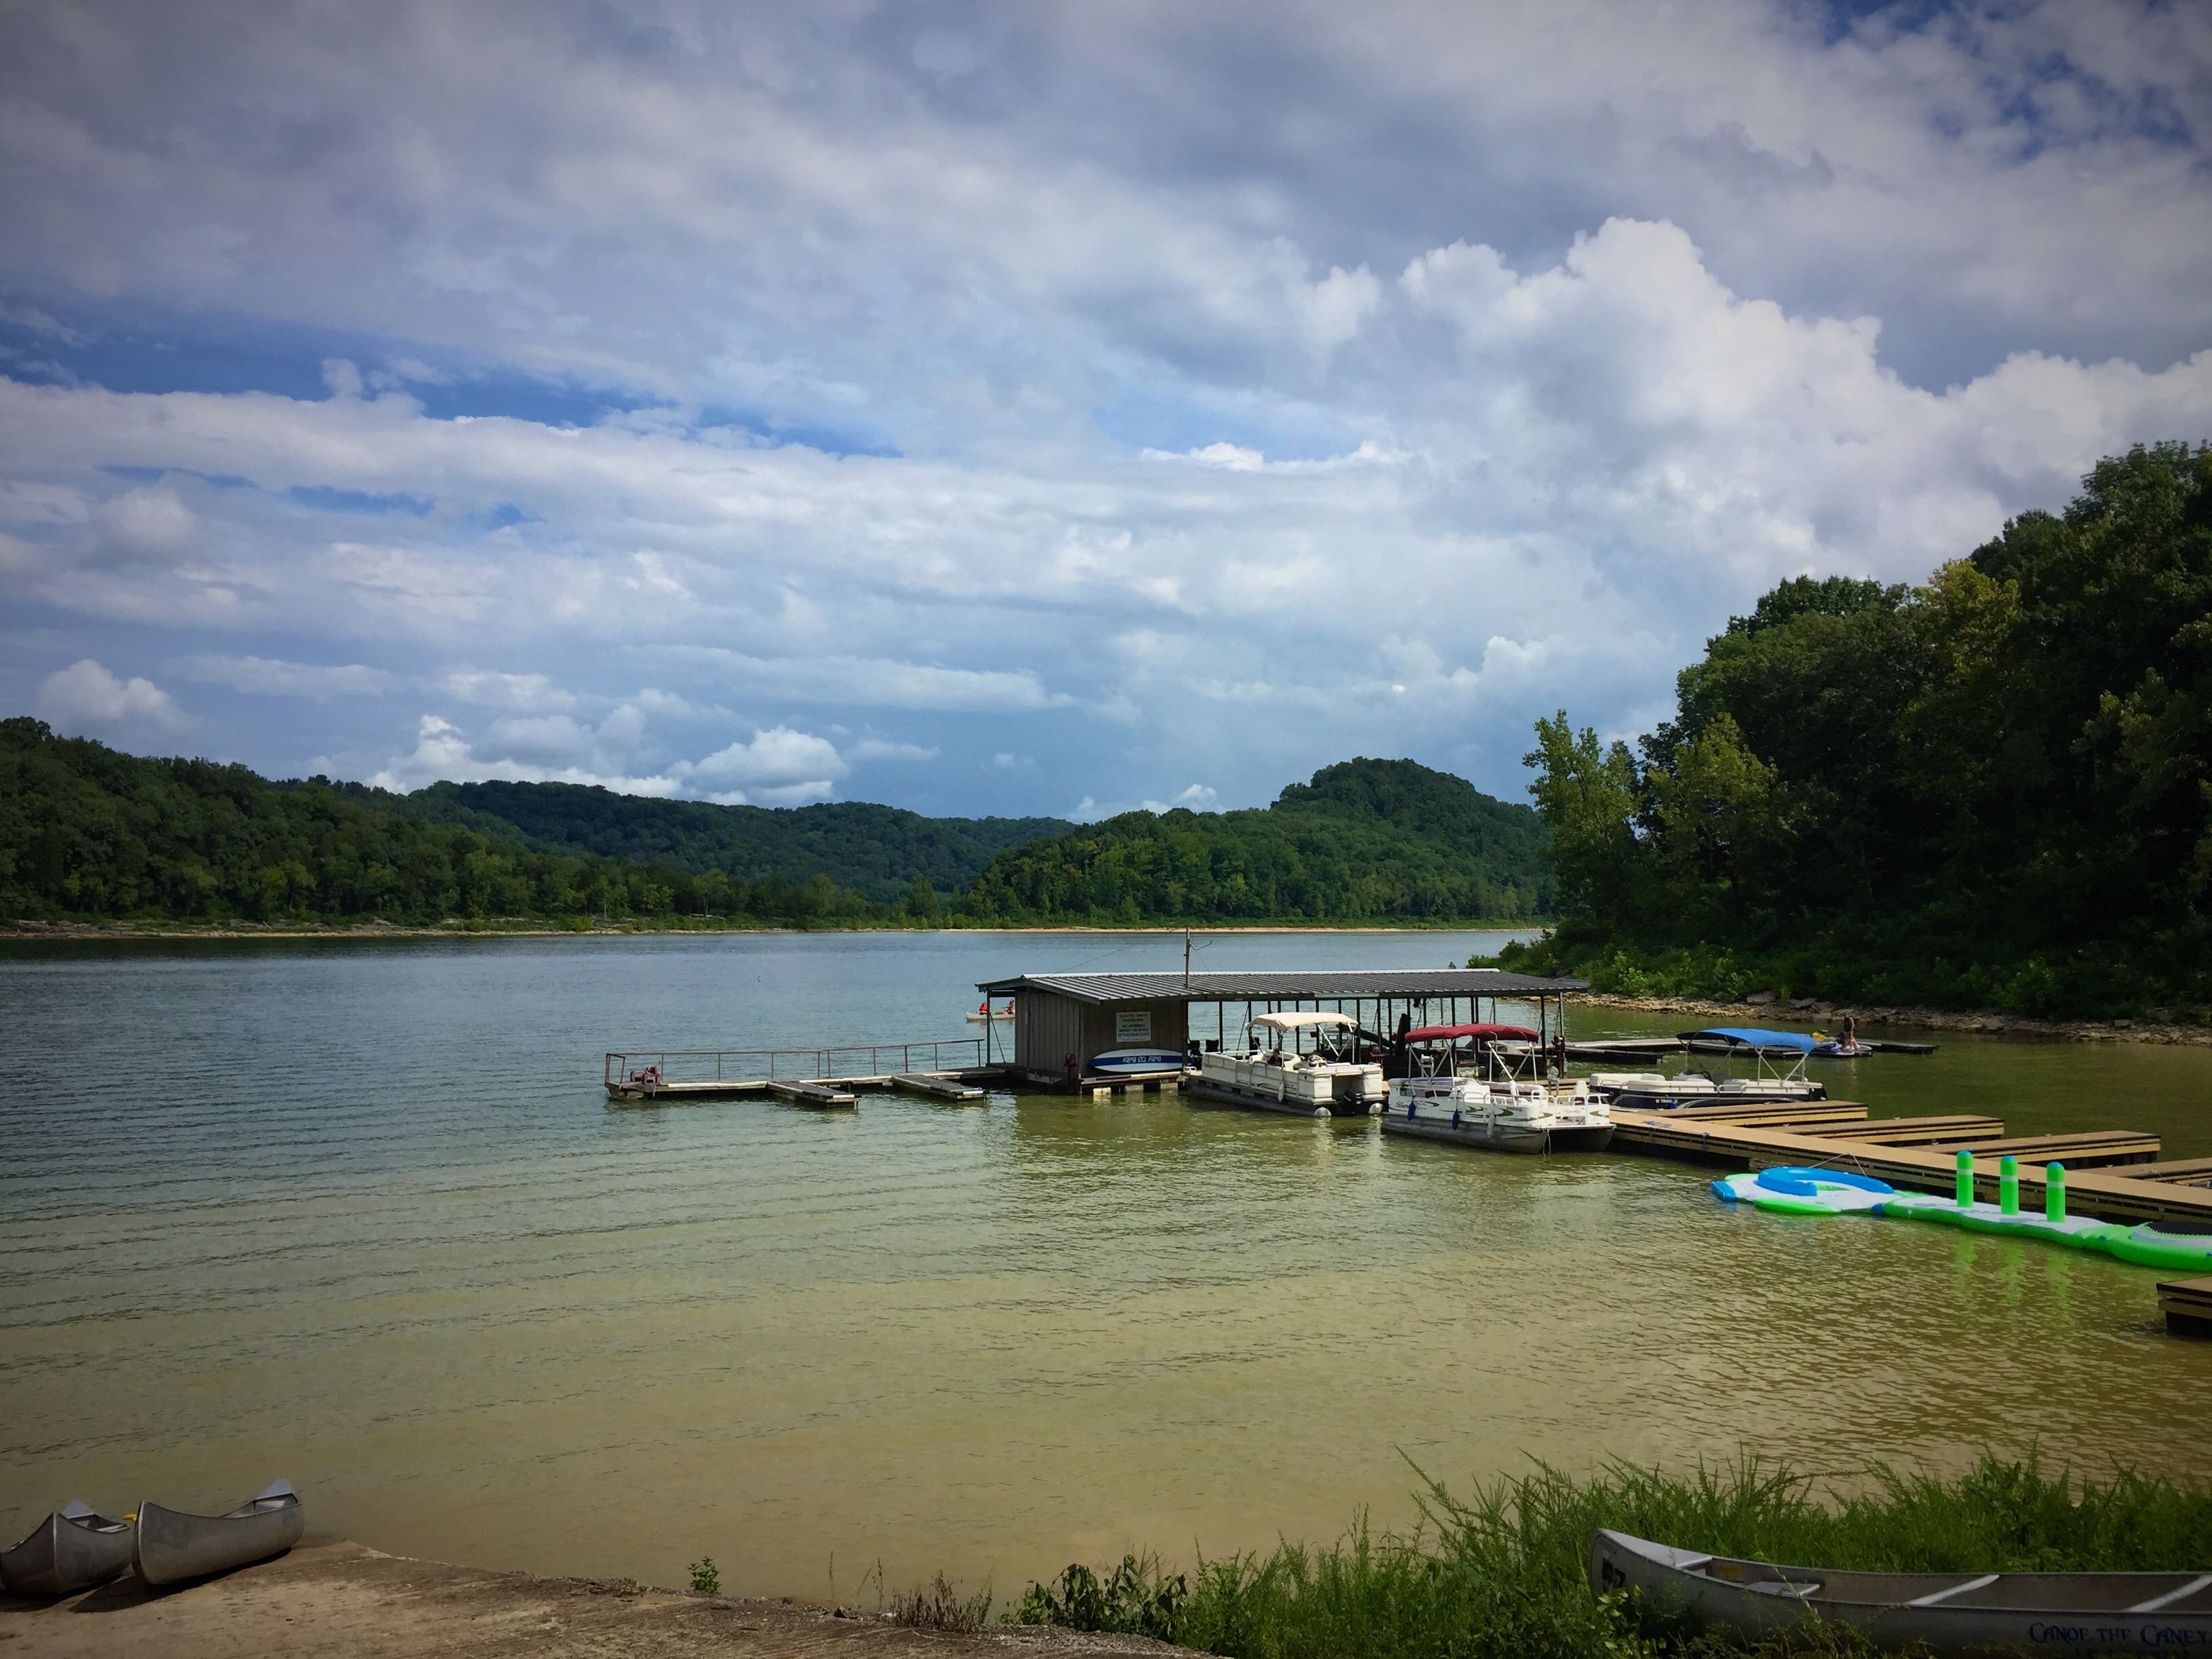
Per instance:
(173,1546)
(73,1549)
(2079,1613)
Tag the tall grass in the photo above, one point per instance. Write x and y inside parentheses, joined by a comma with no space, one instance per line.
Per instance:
(1501,1572)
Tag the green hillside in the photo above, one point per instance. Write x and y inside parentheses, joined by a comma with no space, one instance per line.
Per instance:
(877,851)
(88,832)
(1365,841)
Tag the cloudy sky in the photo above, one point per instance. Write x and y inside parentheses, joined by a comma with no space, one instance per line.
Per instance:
(1036,408)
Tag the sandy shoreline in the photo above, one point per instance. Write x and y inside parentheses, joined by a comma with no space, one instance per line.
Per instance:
(340,1598)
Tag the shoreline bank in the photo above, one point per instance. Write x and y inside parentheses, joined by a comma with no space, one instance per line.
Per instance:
(1918,1019)
(82,932)
(340,1598)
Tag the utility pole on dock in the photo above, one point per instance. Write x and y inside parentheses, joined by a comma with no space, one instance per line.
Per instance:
(1186,959)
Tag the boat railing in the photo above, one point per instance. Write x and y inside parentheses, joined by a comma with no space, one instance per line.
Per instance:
(852,1060)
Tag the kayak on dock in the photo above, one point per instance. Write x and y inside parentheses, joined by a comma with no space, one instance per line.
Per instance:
(172,1546)
(72,1549)
(2073,1613)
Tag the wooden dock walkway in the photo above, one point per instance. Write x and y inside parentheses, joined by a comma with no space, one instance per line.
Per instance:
(821,1096)
(2114,1192)
(939,1088)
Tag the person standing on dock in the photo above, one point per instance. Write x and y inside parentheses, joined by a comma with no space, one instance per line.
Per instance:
(1849,1039)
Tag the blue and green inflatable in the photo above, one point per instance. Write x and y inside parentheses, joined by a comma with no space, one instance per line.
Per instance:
(1796,1191)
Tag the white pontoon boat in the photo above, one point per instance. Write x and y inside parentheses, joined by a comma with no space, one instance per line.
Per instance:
(1324,1080)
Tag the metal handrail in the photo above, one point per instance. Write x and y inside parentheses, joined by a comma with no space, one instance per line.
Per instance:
(769,1064)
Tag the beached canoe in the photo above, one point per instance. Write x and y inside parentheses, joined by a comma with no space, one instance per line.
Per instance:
(2075,1613)
(173,1546)
(73,1549)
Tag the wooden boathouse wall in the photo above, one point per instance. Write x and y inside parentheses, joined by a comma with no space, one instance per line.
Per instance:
(1048,1027)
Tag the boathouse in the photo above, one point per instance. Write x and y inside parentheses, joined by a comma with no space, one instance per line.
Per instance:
(1062,1022)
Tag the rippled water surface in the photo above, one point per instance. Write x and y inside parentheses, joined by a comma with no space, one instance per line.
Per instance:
(360,1215)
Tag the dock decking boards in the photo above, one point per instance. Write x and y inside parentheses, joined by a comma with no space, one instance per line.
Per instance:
(2113,1193)
(2188,1171)
(2187,1305)
(819,1095)
(1908,1131)
(939,1088)
(2089,1149)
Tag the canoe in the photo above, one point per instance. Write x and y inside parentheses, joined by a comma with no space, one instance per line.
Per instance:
(72,1549)
(2064,1613)
(173,1545)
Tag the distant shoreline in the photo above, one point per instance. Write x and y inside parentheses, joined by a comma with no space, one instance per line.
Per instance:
(1986,1023)
(139,931)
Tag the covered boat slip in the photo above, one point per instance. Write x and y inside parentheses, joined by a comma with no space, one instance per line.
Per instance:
(1063,1021)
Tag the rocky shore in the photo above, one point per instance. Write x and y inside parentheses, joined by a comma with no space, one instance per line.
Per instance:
(344,1599)
(1807,1011)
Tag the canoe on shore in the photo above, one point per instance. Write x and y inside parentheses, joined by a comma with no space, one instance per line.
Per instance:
(172,1546)
(2072,1612)
(72,1549)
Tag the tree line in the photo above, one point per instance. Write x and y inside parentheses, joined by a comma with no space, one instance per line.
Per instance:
(89,833)
(1990,789)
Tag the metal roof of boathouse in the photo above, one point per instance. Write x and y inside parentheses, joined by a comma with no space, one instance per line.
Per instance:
(1401,985)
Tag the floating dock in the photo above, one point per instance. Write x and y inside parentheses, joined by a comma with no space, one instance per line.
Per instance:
(2187,1305)
(2102,1165)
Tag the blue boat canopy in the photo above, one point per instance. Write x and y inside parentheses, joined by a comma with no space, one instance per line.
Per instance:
(1751,1037)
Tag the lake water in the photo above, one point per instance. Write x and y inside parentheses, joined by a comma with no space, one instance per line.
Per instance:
(360,1215)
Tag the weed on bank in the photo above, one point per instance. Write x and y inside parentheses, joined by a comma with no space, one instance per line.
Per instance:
(1502,1573)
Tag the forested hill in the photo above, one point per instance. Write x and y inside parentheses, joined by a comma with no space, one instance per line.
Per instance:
(1993,789)
(877,851)
(88,832)
(1365,841)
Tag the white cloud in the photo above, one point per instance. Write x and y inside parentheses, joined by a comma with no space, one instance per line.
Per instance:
(523,693)
(86,700)
(880,749)
(443,753)
(779,767)
(274,678)
(1488,373)
(1197,798)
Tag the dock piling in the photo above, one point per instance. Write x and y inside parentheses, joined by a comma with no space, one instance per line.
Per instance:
(2054,1192)
(2008,1185)
(1964,1188)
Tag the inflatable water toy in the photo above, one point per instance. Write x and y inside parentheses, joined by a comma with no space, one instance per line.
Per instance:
(1797,1191)
(1789,1190)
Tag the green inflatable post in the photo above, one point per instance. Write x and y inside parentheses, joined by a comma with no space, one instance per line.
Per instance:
(1965,1179)
(2054,1192)
(2008,1185)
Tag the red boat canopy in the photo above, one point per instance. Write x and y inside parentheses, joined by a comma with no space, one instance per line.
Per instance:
(1479,1033)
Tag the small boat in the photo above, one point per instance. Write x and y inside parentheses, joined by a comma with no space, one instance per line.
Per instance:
(1475,1085)
(72,1549)
(2067,1613)
(1273,1075)
(984,1014)
(1124,1062)
(172,1544)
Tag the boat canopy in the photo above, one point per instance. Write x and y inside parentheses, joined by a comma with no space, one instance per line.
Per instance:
(1751,1037)
(1298,1022)
(1478,1033)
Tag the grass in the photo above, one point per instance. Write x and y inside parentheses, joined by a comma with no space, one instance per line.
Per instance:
(939,1605)
(1501,1573)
